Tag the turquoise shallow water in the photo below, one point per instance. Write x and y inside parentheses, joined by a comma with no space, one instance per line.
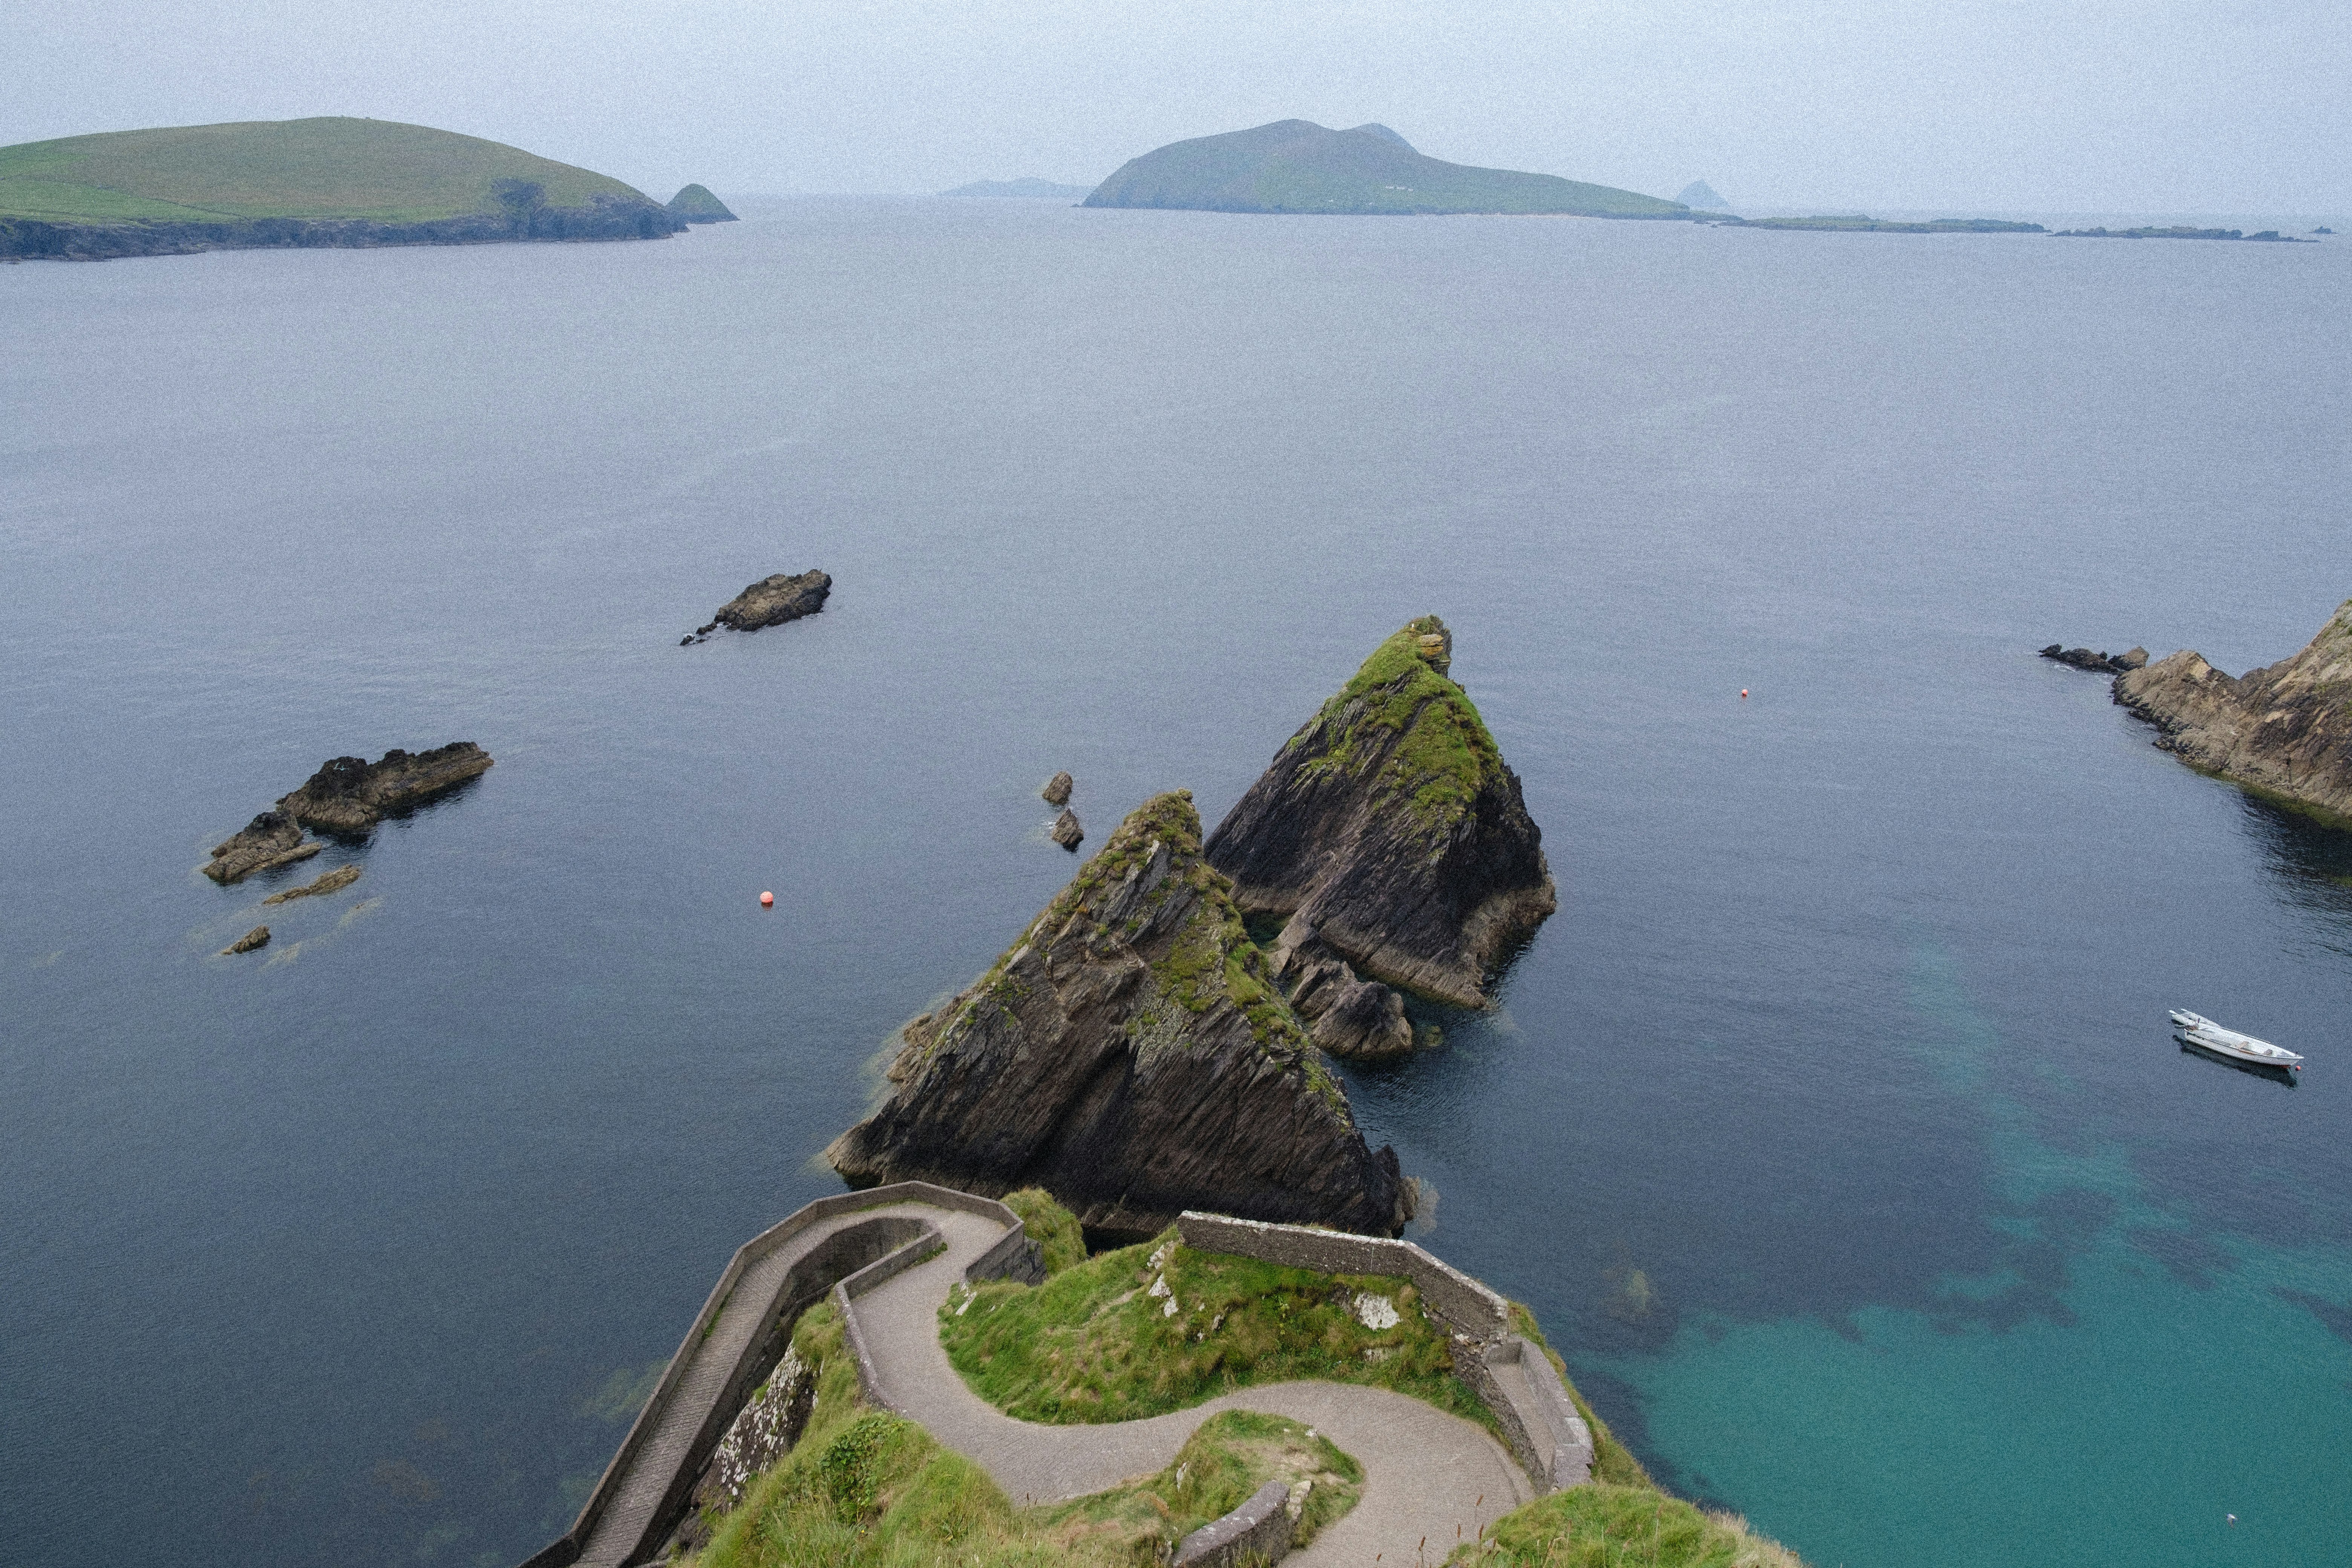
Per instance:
(2166,1388)
(1832,1126)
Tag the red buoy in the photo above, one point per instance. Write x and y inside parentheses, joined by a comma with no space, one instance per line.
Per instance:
(767,900)
(1743,694)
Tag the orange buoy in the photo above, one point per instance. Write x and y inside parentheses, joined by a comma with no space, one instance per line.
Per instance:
(767,900)
(1743,694)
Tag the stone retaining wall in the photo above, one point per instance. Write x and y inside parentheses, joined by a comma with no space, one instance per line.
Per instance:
(1256,1532)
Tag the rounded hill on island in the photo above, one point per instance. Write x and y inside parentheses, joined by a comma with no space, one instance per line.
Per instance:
(1297,166)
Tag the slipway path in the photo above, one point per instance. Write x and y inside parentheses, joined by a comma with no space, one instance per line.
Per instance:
(1429,1478)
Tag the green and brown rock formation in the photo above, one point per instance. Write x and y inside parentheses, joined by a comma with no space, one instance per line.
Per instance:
(1131,1055)
(2285,730)
(1391,833)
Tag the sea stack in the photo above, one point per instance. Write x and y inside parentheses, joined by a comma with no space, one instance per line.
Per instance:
(2285,730)
(1131,1055)
(1390,832)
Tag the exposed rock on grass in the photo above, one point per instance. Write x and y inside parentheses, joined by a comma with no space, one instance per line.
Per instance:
(351,794)
(1132,1055)
(273,839)
(2283,731)
(1392,825)
(258,937)
(772,601)
(335,881)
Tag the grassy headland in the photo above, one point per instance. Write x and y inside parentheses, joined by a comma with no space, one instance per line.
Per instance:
(1297,166)
(328,168)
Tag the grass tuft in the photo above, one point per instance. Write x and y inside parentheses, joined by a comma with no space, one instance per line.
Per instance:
(1054,1228)
(1609,1526)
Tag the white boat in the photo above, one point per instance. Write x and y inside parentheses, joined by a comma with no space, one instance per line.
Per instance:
(2207,1034)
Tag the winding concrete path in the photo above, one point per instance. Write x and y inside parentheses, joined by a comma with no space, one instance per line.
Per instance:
(1430,1478)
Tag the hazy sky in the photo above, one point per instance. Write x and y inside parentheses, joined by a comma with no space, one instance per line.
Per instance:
(2180,106)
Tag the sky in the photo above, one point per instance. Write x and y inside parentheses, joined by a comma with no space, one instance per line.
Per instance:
(2043,106)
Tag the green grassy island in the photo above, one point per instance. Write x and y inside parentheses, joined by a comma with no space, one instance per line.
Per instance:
(337,181)
(1297,166)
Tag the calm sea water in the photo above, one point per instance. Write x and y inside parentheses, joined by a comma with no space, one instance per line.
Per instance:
(1832,1126)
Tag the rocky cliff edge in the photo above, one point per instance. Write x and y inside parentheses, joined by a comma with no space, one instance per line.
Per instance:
(1132,1055)
(2285,730)
(1391,828)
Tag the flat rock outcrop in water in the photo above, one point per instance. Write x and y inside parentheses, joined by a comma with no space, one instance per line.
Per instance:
(1131,1055)
(2102,663)
(1390,825)
(273,839)
(2285,730)
(351,794)
(772,601)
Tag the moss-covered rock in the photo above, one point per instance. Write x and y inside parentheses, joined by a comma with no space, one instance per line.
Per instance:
(1132,1055)
(1390,830)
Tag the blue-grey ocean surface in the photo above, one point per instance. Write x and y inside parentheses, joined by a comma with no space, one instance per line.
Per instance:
(1832,1126)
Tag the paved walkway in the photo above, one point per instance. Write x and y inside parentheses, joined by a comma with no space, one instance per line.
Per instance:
(1428,1477)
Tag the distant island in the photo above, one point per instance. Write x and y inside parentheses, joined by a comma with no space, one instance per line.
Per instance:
(697,205)
(1862,224)
(1700,195)
(331,182)
(2183,231)
(1297,166)
(1022,187)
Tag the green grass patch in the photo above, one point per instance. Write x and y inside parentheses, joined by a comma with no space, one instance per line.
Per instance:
(1098,1341)
(1439,754)
(1054,1228)
(864,1488)
(1609,1526)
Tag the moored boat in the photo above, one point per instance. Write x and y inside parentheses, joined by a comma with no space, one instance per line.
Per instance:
(2205,1034)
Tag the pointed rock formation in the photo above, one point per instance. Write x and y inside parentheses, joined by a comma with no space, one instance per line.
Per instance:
(1132,1055)
(2285,730)
(695,203)
(1391,828)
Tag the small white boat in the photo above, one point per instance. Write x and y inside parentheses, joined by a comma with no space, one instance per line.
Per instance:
(2207,1034)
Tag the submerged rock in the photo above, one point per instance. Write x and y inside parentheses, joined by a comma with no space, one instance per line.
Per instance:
(258,937)
(1058,789)
(2285,730)
(335,881)
(351,795)
(273,839)
(1392,825)
(1068,832)
(772,601)
(1132,1055)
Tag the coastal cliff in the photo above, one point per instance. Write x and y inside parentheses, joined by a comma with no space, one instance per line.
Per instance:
(1390,831)
(2285,730)
(1132,1055)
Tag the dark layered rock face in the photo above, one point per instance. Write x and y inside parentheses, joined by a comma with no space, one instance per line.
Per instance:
(1132,1055)
(351,794)
(273,839)
(772,601)
(1391,827)
(2285,730)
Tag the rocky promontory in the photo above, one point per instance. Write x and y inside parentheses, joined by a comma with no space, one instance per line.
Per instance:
(351,795)
(1132,1055)
(2285,730)
(1391,833)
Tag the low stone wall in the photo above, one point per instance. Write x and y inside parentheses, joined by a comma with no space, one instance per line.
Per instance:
(837,1257)
(1256,1532)
(1460,1303)
(1543,1432)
